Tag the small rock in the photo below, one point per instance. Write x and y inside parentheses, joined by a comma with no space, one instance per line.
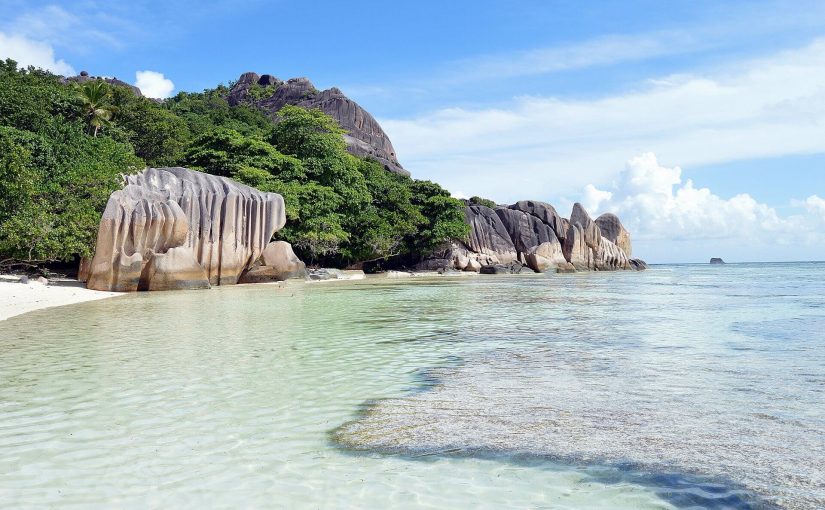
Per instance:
(24,280)
(42,280)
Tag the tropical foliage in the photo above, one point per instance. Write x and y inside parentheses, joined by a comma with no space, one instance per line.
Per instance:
(64,146)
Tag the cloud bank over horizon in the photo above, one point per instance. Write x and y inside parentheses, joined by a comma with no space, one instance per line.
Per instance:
(655,204)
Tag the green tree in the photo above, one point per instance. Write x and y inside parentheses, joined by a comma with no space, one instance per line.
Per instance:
(96,96)
(482,201)
(226,152)
(158,136)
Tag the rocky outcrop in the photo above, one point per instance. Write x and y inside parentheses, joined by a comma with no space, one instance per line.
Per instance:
(489,241)
(364,137)
(533,235)
(612,229)
(84,77)
(716,260)
(174,228)
(277,263)
(546,257)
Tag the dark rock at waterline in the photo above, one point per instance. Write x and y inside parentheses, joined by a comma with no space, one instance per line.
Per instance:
(365,137)
(511,268)
(638,264)
(323,274)
(716,260)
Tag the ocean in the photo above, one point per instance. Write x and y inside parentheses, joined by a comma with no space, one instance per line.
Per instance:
(684,386)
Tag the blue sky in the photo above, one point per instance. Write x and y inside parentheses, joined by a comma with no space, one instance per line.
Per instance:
(615,104)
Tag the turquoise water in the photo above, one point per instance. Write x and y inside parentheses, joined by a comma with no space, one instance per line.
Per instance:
(679,387)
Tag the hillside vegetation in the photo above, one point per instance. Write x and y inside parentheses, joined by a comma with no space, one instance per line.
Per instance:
(64,146)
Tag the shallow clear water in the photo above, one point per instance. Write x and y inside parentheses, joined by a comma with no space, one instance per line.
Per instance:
(683,386)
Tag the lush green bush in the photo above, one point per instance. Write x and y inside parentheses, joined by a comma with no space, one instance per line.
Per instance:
(482,201)
(54,190)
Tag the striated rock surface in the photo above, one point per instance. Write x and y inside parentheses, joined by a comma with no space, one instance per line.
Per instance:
(277,262)
(545,213)
(488,238)
(613,230)
(532,234)
(364,137)
(174,228)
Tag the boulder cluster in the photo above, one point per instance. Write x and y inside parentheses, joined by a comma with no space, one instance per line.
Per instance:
(364,137)
(174,228)
(532,236)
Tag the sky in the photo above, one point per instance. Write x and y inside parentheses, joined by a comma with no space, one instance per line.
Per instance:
(701,123)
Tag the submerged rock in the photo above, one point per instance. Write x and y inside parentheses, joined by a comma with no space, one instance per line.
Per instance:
(638,264)
(174,228)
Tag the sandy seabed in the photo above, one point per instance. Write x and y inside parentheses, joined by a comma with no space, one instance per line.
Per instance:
(18,298)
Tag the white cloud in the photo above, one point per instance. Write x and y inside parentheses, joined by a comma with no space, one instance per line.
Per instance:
(816,206)
(28,52)
(655,205)
(610,49)
(85,29)
(154,84)
(766,107)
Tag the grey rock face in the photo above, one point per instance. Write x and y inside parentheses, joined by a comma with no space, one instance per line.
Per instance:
(716,260)
(546,257)
(545,213)
(364,137)
(590,231)
(488,236)
(174,228)
(638,264)
(613,230)
(277,263)
(525,230)
(526,233)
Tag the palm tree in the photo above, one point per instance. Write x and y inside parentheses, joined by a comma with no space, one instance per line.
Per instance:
(95,95)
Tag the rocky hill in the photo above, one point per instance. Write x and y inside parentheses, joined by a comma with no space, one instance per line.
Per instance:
(365,137)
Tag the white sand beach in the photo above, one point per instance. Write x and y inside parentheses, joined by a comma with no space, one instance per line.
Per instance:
(18,298)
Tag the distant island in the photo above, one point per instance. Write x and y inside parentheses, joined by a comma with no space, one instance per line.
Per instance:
(716,260)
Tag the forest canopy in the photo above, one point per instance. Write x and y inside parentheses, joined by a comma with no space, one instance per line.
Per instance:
(64,147)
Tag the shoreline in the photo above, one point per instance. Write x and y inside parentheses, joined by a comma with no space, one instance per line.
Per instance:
(20,298)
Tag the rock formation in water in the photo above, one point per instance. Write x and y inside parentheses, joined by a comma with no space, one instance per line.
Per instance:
(364,137)
(174,228)
(533,235)
(716,260)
